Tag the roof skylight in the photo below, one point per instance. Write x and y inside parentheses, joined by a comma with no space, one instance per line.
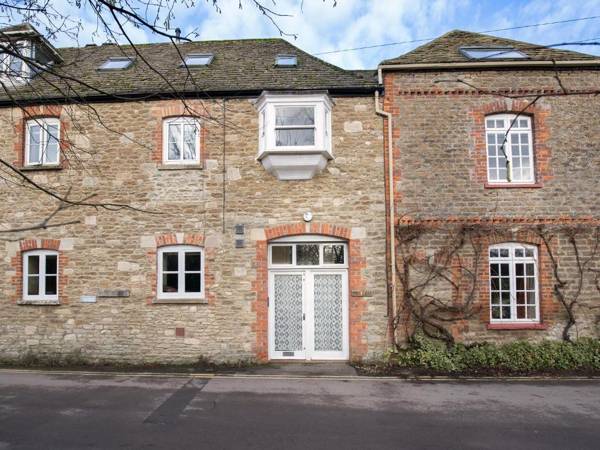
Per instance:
(492,53)
(286,60)
(114,63)
(198,59)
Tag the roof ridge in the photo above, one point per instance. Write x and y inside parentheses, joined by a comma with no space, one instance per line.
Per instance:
(149,44)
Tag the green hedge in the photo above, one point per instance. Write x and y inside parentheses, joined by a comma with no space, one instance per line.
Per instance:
(582,356)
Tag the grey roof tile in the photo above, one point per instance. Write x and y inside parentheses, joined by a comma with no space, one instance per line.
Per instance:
(239,66)
(446,49)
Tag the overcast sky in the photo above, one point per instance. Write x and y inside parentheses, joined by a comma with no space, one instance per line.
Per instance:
(355,23)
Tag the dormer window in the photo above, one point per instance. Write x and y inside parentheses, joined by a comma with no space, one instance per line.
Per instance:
(13,65)
(114,63)
(22,52)
(286,60)
(294,134)
(492,53)
(197,59)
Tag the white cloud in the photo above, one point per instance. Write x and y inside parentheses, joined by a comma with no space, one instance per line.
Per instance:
(357,23)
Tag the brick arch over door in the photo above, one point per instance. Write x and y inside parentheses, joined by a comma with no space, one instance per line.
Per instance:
(357,284)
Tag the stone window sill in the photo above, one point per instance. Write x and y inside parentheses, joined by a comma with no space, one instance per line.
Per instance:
(180,301)
(516,326)
(512,185)
(39,168)
(39,302)
(180,166)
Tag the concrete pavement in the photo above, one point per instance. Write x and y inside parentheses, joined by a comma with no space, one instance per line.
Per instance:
(51,411)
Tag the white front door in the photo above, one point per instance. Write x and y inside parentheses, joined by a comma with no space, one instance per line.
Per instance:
(308,306)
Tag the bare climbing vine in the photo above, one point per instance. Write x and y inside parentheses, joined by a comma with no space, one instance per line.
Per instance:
(438,286)
(440,274)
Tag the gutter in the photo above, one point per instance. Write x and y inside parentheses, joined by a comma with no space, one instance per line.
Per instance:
(488,64)
(391,206)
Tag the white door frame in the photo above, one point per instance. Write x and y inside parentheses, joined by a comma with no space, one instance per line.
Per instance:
(308,273)
(279,354)
(312,354)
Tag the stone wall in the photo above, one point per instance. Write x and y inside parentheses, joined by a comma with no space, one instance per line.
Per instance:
(115,158)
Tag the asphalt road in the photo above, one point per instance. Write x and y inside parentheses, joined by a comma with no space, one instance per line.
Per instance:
(40,411)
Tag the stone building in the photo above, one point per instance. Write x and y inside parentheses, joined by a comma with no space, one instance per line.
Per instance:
(254,218)
(232,200)
(495,142)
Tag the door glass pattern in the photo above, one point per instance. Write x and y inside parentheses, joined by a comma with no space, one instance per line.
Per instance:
(288,312)
(328,312)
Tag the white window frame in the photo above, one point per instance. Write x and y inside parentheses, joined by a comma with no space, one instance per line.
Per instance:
(492,53)
(312,127)
(106,64)
(181,250)
(52,298)
(280,60)
(511,260)
(295,243)
(187,61)
(267,106)
(514,129)
(181,120)
(25,49)
(43,123)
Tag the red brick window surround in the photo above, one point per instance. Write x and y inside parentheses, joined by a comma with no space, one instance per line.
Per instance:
(548,307)
(55,278)
(538,147)
(184,241)
(357,284)
(42,115)
(173,111)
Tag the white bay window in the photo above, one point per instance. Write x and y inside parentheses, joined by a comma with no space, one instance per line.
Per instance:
(294,126)
(294,134)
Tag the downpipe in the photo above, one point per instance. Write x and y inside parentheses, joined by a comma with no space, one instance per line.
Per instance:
(391,206)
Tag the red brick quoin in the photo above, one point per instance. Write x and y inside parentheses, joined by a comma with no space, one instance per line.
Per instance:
(17,264)
(540,133)
(357,282)
(196,239)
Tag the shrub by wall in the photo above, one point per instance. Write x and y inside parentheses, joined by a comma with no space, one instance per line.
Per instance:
(516,358)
